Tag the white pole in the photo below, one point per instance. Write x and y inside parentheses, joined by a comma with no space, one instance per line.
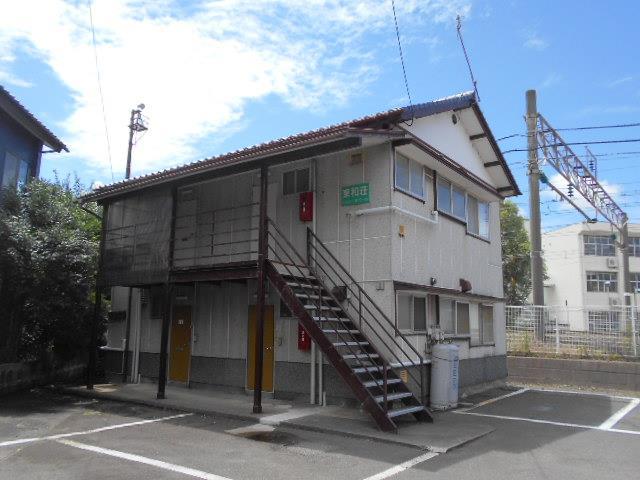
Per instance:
(557,334)
(633,325)
(320,379)
(312,393)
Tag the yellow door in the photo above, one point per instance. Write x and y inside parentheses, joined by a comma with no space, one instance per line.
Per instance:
(180,353)
(267,364)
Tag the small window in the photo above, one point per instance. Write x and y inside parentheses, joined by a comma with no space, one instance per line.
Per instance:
(477,217)
(402,173)
(420,314)
(486,313)
(634,246)
(462,318)
(447,316)
(23,173)
(602,282)
(411,313)
(444,196)
(635,282)
(459,203)
(296,181)
(410,176)
(599,245)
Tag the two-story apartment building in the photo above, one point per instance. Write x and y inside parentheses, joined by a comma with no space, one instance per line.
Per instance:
(584,268)
(375,235)
(22,138)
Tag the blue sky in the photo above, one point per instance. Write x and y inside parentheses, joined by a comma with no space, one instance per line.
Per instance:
(219,75)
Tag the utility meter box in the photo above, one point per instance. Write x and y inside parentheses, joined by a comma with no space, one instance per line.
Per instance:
(444,376)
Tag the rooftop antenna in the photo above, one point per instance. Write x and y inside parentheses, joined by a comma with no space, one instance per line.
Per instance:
(466,56)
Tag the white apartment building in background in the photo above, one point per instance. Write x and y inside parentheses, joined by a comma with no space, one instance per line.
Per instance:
(584,268)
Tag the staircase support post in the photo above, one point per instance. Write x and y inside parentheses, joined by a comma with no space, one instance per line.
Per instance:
(261,290)
(164,342)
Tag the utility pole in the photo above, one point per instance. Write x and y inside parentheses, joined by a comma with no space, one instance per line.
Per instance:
(624,248)
(534,205)
(136,124)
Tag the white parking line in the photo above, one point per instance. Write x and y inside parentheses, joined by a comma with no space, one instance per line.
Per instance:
(403,466)
(145,460)
(549,422)
(492,400)
(619,415)
(88,432)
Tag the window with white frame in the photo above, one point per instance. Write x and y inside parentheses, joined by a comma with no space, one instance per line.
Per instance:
(635,282)
(455,317)
(599,245)
(602,282)
(634,246)
(477,217)
(296,181)
(486,324)
(411,312)
(410,177)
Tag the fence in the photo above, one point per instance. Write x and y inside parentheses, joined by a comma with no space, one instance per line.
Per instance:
(584,331)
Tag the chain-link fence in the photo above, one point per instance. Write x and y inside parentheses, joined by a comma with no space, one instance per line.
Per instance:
(585,331)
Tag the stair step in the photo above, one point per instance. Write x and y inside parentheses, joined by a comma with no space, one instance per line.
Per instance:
(404,411)
(312,296)
(377,368)
(379,383)
(302,284)
(331,319)
(322,307)
(360,356)
(340,331)
(393,396)
(350,344)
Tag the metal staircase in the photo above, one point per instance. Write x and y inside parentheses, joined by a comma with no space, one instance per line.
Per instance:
(342,318)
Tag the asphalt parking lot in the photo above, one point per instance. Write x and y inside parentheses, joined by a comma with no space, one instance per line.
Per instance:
(538,434)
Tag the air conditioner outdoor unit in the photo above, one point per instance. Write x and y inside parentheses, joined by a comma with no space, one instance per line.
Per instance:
(612,262)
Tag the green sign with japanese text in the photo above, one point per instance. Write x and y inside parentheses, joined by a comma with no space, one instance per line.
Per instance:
(356,194)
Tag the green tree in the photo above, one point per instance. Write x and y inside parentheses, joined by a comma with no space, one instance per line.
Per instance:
(516,255)
(48,260)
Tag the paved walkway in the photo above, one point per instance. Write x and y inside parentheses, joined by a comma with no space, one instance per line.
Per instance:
(447,432)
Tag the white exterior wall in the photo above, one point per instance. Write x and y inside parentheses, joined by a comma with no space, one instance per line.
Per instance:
(567,267)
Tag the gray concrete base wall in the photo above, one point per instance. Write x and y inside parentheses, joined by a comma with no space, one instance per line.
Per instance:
(21,376)
(582,373)
(291,379)
(474,371)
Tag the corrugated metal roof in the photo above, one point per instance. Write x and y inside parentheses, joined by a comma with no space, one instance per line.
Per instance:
(21,115)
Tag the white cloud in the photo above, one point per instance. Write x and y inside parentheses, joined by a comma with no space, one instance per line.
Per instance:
(534,41)
(620,81)
(11,79)
(196,67)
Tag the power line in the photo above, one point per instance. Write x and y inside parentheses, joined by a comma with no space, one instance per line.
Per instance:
(594,127)
(404,70)
(597,142)
(104,113)
(466,56)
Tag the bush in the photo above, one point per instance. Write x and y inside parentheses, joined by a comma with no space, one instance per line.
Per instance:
(48,260)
